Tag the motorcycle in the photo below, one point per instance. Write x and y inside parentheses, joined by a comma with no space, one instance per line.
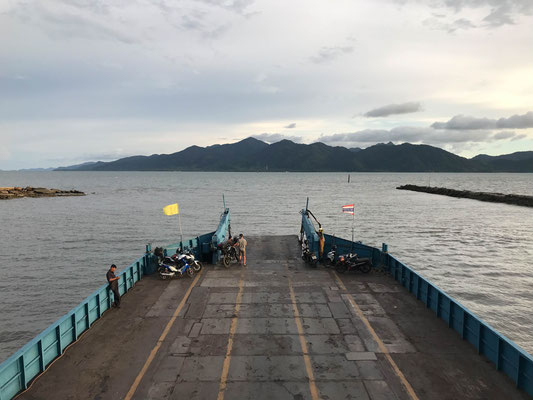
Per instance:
(228,253)
(331,257)
(351,262)
(169,268)
(308,256)
(188,256)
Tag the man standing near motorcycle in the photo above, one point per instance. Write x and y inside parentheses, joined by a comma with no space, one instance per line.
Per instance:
(242,249)
(113,284)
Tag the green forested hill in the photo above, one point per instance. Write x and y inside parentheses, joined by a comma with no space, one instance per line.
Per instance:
(254,155)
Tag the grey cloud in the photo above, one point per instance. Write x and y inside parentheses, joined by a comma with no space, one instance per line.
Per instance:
(236,6)
(60,23)
(462,122)
(450,27)
(521,6)
(95,6)
(499,16)
(518,137)
(199,19)
(276,137)
(504,135)
(392,109)
(461,23)
(414,135)
(502,12)
(291,126)
(326,54)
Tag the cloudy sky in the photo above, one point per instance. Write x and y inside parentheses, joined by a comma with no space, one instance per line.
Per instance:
(84,80)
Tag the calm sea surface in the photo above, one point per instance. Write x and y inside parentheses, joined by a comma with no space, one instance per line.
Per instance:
(56,251)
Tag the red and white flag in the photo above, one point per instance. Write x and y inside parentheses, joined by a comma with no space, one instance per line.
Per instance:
(348,209)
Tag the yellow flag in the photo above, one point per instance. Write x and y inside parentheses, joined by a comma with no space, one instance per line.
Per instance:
(171,209)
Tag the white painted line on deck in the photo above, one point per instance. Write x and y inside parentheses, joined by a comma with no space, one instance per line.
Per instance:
(227,359)
(303,343)
(381,345)
(154,351)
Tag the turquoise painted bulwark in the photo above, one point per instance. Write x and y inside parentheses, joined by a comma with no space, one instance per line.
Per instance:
(31,360)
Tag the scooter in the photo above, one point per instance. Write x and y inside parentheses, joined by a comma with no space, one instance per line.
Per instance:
(331,256)
(188,256)
(168,267)
(351,262)
(308,256)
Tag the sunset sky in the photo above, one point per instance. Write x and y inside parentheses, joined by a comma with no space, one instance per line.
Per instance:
(88,80)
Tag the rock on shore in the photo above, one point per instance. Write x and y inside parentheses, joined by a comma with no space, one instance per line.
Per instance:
(515,199)
(7,193)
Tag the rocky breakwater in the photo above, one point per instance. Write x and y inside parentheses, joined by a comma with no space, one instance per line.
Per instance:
(515,199)
(7,193)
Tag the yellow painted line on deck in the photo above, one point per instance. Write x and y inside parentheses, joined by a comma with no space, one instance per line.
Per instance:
(380,343)
(227,359)
(154,351)
(303,344)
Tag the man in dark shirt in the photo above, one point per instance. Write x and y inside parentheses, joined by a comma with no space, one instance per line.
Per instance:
(113,285)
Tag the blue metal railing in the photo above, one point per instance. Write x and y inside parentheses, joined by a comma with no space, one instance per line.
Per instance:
(506,355)
(197,245)
(32,359)
(503,352)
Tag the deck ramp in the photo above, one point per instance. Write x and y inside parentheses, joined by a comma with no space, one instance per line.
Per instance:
(276,329)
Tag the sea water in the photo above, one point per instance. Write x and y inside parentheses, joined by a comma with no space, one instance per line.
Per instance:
(56,251)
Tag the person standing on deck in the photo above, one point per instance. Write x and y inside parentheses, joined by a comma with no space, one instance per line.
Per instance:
(321,242)
(113,285)
(242,249)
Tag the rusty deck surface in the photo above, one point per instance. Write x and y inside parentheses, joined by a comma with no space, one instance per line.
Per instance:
(276,329)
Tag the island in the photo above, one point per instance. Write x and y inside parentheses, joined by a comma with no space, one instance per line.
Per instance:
(7,193)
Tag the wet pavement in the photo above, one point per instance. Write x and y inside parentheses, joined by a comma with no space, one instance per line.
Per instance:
(276,329)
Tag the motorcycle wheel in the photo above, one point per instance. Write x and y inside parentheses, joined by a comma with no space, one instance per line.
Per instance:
(227,260)
(197,266)
(161,271)
(365,268)
(190,272)
(340,268)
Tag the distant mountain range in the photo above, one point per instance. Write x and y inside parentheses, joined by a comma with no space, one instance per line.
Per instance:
(254,155)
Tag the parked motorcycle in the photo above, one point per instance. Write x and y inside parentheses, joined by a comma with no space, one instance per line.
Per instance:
(169,268)
(189,258)
(331,257)
(351,262)
(228,253)
(307,255)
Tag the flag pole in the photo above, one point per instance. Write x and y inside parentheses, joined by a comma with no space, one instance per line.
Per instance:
(181,232)
(353,222)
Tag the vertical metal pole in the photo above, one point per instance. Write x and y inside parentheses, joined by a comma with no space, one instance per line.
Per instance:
(224,201)
(41,355)
(307,204)
(353,222)
(22,368)
(181,232)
